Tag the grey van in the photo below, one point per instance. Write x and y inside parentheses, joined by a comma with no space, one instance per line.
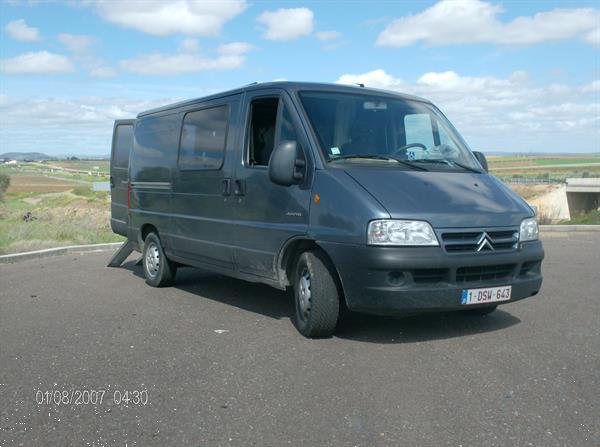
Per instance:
(355,198)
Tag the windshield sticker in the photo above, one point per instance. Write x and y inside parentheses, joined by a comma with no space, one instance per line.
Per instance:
(416,153)
(335,150)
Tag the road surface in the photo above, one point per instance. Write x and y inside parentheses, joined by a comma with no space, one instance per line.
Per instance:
(217,362)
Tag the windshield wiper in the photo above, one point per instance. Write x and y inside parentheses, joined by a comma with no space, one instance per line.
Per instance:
(449,163)
(378,157)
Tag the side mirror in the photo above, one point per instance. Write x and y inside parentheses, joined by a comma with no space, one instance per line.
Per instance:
(285,166)
(482,160)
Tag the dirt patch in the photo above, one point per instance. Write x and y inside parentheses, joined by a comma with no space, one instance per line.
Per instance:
(529,192)
(37,183)
(511,164)
(33,200)
(552,206)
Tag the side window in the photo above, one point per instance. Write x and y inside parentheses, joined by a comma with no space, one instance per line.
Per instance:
(418,129)
(261,131)
(123,142)
(203,137)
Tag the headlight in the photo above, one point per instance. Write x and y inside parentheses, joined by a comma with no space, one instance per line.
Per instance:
(529,230)
(400,232)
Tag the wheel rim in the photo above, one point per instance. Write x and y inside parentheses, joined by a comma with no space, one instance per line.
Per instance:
(304,294)
(152,259)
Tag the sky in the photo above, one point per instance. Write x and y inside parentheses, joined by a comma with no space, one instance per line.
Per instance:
(512,76)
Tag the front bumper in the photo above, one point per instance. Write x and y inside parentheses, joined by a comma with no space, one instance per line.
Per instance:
(404,280)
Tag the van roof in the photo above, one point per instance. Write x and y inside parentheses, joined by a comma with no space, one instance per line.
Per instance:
(290,87)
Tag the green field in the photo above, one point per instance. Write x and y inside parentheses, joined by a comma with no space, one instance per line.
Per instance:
(85,165)
(550,168)
(43,212)
(58,171)
(521,161)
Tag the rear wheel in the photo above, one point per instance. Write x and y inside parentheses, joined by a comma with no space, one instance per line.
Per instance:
(480,311)
(316,296)
(158,270)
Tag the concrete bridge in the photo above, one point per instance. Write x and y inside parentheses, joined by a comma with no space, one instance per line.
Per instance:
(583,195)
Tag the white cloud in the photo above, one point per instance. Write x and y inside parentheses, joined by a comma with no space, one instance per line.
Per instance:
(77,43)
(593,86)
(593,37)
(73,126)
(230,56)
(102,72)
(19,30)
(331,39)
(451,22)
(81,47)
(189,44)
(53,112)
(509,113)
(287,24)
(162,18)
(41,62)
(374,79)
(325,36)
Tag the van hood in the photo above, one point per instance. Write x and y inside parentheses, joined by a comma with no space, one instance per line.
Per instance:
(444,199)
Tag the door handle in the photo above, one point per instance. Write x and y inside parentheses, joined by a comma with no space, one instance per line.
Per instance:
(240,187)
(226,187)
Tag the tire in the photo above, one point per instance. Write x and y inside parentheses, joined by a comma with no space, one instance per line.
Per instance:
(316,296)
(158,270)
(480,311)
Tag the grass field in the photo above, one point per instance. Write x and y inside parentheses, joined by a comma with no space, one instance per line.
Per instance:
(84,165)
(56,171)
(45,206)
(26,183)
(592,218)
(40,212)
(556,168)
(524,161)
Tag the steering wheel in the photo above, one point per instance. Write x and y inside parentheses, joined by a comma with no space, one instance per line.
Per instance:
(407,146)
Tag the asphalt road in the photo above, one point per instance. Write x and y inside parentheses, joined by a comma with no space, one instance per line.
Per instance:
(222,364)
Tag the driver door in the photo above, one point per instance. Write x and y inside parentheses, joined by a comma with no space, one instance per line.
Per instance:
(267,215)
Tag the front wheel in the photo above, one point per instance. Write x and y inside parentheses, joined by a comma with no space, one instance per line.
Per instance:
(158,270)
(316,296)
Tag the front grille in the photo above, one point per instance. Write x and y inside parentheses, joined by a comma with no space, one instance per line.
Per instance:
(429,276)
(484,273)
(480,241)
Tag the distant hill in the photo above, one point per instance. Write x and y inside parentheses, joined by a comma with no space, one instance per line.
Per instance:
(20,156)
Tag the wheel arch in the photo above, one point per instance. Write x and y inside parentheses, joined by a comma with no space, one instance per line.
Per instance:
(146,229)
(289,254)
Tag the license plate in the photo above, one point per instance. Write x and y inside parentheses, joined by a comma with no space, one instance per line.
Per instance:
(485,295)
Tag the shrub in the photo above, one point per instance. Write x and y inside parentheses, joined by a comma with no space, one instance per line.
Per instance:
(4,182)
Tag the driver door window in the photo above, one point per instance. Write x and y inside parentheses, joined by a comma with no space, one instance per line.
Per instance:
(261,133)
(270,123)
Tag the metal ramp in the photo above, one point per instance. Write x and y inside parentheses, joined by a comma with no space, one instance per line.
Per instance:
(123,253)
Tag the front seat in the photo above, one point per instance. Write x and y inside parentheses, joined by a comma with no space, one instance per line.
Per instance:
(362,139)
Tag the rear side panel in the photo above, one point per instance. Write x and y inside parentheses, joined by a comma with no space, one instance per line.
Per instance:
(153,159)
(122,142)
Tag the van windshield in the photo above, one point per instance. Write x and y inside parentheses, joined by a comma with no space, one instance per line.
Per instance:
(366,129)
